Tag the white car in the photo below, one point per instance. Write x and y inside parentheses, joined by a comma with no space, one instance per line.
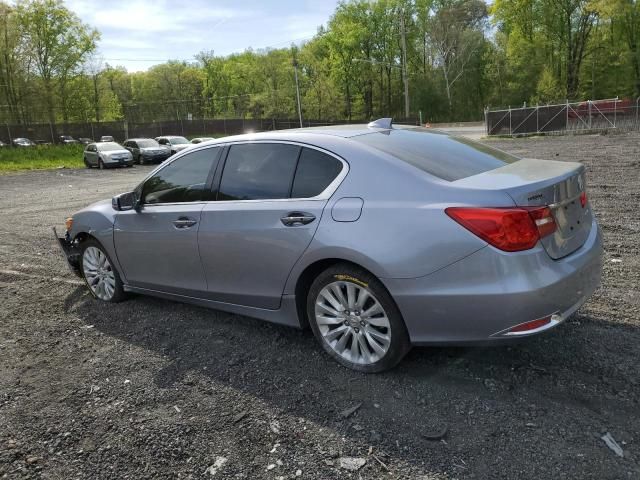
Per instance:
(107,154)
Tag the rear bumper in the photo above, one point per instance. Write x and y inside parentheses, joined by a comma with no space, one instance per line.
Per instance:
(70,251)
(479,298)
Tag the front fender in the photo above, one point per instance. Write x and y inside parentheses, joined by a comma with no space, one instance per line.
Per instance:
(97,221)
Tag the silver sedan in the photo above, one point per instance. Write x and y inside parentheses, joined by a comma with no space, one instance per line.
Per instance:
(107,154)
(378,237)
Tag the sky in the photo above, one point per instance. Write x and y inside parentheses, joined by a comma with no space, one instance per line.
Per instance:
(140,33)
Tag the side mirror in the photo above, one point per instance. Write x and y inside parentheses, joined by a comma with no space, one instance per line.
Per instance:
(124,201)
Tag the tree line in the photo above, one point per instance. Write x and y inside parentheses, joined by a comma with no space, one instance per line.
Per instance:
(451,57)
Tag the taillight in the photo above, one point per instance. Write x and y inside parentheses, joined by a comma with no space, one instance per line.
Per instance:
(583,199)
(509,229)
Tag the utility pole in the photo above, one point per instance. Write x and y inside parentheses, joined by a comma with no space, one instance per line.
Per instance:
(295,72)
(405,77)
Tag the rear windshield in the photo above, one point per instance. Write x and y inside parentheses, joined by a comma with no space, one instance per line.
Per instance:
(147,143)
(108,146)
(446,157)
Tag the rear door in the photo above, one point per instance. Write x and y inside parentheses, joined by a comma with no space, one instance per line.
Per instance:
(270,200)
(157,245)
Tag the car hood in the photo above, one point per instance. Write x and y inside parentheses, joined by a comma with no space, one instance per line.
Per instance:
(116,152)
(180,147)
(154,149)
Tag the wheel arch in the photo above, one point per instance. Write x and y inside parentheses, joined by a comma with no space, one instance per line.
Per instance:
(306,278)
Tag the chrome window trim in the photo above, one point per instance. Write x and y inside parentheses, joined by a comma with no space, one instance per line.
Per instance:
(324,195)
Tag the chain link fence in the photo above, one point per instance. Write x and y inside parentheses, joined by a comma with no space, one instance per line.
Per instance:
(590,115)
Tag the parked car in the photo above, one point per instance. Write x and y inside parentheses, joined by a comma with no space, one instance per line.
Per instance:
(85,140)
(378,237)
(147,150)
(201,139)
(107,154)
(67,140)
(43,142)
(107,138)
(175,143)
(2,144)
(23,142)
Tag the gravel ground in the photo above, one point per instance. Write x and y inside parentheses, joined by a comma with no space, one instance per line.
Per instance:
(154,389)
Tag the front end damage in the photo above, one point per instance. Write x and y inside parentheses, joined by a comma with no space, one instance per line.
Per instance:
(70,250)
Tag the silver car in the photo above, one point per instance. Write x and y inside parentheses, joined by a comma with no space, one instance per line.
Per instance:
(174,142)
(107,154)
(377,237)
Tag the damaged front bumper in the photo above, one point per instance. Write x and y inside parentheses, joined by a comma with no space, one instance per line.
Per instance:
(70,250)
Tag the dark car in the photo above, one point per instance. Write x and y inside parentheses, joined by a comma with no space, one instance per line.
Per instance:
(67,140)
(85,140)
(23,142)
(147,150)
(174,142)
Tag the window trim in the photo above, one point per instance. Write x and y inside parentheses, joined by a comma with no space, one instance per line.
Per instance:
(222,159)
(324,195)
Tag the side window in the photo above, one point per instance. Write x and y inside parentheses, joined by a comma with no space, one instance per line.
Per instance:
(162,141)
(258,171)
(316,170)
(184,180)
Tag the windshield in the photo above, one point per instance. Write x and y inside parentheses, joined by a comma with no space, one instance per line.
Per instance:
(444,156)
(108,146)
(178,140)
(147,143)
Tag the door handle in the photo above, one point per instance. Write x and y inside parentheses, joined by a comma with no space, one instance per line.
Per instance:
(297,218)
(184,222)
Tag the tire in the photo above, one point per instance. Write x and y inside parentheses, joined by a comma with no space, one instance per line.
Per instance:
(101,278)
(380,337)
(100,164)
(140,160)
(86,163)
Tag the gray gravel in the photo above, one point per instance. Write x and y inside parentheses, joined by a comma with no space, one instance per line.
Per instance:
(154,389)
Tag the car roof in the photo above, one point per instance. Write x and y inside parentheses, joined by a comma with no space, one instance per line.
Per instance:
(340,131)
(137,139)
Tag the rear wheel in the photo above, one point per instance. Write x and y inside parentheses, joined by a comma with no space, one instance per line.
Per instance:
(355,319)
(100,164)
(99,274)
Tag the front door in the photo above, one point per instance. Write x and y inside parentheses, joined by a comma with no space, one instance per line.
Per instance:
(270,201)
(157,244)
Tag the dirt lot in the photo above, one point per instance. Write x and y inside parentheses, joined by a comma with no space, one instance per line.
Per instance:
(154,389)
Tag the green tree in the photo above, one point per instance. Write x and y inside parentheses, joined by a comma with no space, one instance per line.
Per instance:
(57,41)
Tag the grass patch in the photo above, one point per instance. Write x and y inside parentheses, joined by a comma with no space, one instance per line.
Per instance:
(40,157)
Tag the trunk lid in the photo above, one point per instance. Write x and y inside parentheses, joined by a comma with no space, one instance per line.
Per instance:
(557,185)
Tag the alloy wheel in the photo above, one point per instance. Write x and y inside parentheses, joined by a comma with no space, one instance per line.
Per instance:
(352,322)
(98,273)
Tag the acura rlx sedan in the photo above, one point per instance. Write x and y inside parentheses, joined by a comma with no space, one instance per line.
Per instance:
(147,150)
(107,154)
(377,237)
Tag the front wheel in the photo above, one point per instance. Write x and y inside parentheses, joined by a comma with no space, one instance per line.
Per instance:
(355,319)
(99,274)
(86,163)
(100,164)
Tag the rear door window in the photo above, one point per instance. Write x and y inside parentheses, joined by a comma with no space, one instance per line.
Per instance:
(257,171)
(315,172)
